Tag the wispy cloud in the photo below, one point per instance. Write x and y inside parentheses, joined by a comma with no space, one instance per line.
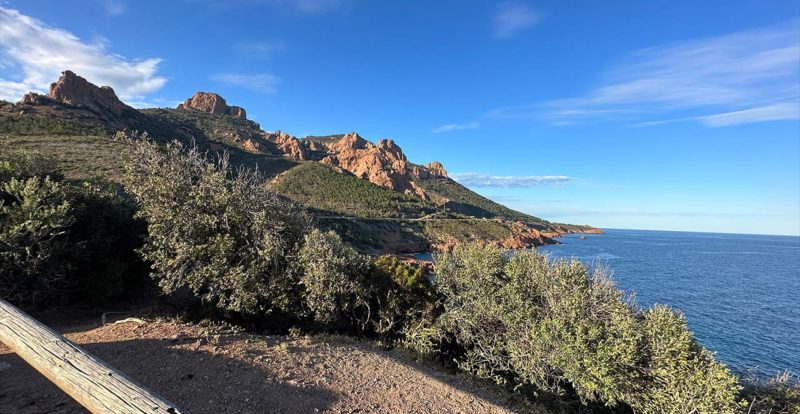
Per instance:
(744,77)
(512,17)
(113,8)
(260,49)
(32,55)
(261,82)
(774,112)
(487,180)
(455,127)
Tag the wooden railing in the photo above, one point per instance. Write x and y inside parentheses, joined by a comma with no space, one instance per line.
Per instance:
(91,382)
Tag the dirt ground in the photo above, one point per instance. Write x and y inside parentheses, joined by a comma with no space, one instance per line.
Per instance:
(209,370)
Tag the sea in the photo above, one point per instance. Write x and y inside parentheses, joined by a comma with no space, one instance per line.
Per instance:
(740,293)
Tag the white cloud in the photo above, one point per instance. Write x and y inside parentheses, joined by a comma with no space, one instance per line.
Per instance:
(261,82)
(487,180)
(455,127)
(33,54)
(749,76)
(512,17)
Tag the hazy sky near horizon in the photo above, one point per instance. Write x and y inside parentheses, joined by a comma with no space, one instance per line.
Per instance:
(671,115)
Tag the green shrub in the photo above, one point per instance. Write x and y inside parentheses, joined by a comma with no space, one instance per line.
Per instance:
(34,217)
(104,237)
(60,241)
(335,279)
(561,327)
(218,232)
(403,296)
(344,289)
(26,164)
(682,376)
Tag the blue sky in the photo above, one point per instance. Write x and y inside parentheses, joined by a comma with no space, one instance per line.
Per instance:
(675,115)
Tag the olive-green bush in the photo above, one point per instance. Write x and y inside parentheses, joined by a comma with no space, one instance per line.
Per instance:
(34,217)
(335,279)
(559,326)
(403,296)
(218,232)
(63,241)
(344,288)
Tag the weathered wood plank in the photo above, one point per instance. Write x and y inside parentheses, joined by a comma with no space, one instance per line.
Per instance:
(95,385)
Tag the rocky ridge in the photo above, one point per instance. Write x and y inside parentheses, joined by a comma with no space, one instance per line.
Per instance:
(382,164)
(73,100)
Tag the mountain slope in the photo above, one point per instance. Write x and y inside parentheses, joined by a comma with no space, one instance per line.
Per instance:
(369,192)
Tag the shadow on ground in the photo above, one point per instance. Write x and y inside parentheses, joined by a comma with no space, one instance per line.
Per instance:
(197,381)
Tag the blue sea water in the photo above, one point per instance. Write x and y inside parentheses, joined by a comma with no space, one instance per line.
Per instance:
(740,293)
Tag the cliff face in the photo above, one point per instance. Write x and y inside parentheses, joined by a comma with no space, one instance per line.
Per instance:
(213,104)
(75,90)
(74,99)
(383,164)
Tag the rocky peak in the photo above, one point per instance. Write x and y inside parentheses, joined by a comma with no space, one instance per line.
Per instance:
(75,90)
(290,146)
(351,141)
(389,147)
(436,169)
(383,164)
(214,104)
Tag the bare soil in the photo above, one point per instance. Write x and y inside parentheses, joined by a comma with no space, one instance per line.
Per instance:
(212,370)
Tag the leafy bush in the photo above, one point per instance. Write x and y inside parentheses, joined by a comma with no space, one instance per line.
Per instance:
(26,164)
(681,374)
(559,326)
(345,289)
(218,232)
(34,217)
(403,296)
(335,279)
(59,241)
(105,236)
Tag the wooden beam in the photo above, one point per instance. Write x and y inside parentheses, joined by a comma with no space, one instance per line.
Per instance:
(95,385)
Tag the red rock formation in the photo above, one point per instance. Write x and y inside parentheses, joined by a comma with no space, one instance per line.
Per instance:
(75,90)
(383,164)
(523,237)
(252,146)
(214,104)
(290,146)
(436,169)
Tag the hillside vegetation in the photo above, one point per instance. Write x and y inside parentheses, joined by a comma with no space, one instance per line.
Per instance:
(326,191)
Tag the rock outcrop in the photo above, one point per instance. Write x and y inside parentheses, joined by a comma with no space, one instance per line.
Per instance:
(77,91)
(214,104)
(290,146)
(436,169)
(383,164)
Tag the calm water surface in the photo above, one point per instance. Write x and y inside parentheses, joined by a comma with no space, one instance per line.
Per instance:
(740,293)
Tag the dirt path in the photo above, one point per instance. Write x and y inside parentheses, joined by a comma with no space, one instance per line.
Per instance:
(205,371)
